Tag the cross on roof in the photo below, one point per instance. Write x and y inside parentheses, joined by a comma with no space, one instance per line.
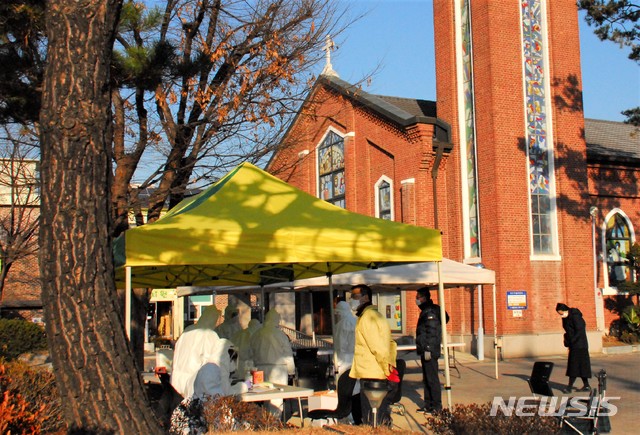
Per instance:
(328,68)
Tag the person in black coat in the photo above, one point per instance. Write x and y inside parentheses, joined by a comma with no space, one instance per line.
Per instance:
(428,340)
(575,338)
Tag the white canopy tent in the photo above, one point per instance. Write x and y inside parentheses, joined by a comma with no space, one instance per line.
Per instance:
(448,273)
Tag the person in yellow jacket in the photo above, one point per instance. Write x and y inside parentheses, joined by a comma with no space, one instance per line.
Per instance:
(375,353)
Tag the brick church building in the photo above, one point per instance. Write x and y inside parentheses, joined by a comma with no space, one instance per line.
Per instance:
(504,164)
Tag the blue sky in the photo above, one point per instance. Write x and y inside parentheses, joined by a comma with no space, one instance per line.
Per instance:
(395,41)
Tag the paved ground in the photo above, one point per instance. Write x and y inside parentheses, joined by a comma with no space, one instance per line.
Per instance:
(475,383)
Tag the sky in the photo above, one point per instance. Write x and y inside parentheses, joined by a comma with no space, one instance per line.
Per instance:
(395,42)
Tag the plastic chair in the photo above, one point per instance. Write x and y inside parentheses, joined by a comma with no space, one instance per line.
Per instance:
(311,373)
(345,393)
(539,380)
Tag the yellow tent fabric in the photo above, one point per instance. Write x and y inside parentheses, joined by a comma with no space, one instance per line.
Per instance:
(253,228)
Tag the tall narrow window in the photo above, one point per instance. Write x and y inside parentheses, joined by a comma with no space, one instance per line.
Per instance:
(538,140)
(471,228)
(331,169)
(384,200)
(618,240)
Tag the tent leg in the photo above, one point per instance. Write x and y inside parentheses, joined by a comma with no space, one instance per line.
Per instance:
(127,302)
(445,347)
(262,304)
(495,330)
(333,322)
(313,324)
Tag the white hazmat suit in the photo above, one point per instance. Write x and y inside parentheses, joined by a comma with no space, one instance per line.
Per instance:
(214,377)
(345,337)
(273,354)
(195,347)
(344,340)
(231,323)
(242,343)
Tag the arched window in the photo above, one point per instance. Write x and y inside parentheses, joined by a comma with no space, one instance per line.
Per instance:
(384,200)
(619,238)
(331,180)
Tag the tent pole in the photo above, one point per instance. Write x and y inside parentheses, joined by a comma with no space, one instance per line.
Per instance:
(262,304)
(127,302)
(333,321)
(445,347)
(313,324)
(495,330)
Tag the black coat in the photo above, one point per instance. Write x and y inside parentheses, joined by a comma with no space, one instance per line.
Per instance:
(429,329)
(575,335)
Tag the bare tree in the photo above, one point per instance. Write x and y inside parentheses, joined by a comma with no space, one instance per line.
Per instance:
(19,201)
(207,84)
(97,377)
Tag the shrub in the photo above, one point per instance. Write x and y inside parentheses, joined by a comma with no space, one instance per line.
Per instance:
(221,414)
(476,419)
(229,414)
(20,336)
(16,414)
(37,388)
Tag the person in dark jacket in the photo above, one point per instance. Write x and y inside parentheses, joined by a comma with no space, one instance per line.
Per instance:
(428,340)
(575,338)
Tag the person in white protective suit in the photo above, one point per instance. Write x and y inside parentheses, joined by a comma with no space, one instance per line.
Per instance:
(214,377)
(242,342)
(344,339)
(273,354)
(231,323)
(195,347)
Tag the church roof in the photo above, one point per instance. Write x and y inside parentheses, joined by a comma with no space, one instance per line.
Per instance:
(403,111)
(612,141)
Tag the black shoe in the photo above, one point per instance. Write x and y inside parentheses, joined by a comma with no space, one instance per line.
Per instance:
(425,410)
(585,388)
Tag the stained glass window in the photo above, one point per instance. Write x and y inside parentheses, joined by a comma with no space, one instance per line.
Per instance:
(538,152)
(468,135)
(618,242)
(384,200)
(331,169)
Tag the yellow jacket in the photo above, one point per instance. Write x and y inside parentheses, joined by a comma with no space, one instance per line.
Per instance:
(375,350)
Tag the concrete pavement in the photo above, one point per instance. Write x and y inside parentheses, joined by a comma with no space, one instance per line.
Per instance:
(475,383)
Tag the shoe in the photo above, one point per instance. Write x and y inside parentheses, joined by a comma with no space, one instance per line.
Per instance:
(585,388)
(425,410)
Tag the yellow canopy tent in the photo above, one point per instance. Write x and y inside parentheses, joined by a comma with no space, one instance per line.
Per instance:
(253,228)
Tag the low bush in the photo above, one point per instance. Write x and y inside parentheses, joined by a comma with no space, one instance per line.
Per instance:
(20,336)
(37,387)
(221,414)
(29,401)
(476,419)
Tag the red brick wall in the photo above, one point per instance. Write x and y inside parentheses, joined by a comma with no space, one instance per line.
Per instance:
(378,148)
(502,164)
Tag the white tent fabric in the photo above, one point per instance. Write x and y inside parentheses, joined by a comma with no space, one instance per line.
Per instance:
(389,278)
(408,276)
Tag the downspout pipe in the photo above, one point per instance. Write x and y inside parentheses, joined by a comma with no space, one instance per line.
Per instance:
(440,148)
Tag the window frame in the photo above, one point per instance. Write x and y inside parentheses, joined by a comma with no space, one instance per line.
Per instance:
(338,199)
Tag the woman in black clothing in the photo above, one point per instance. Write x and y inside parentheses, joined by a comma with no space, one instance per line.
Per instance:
(575,338)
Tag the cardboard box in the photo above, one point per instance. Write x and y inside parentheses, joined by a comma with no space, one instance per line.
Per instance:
(323,400)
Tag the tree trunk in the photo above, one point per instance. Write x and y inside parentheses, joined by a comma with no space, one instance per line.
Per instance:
(94,366)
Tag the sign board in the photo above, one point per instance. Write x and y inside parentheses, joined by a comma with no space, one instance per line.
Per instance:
(516,300)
